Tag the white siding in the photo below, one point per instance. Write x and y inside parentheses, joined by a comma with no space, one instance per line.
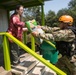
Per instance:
(3,20)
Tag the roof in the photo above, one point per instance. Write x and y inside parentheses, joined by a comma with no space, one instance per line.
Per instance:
(10,4)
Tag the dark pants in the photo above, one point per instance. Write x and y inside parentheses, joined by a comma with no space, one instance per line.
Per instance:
(14,53)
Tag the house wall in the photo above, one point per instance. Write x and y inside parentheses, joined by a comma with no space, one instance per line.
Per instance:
(3,22)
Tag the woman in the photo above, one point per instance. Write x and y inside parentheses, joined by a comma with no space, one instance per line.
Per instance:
(16,28)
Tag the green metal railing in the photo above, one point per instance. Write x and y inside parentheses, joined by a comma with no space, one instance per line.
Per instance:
(6,53)
(32,43)
(7,56)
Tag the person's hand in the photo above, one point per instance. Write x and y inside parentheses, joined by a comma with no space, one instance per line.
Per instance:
(35,33)
(38,26)
(25,29)
(32,25)
(9,38)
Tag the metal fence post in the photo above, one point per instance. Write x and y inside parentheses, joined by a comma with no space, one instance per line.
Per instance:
(32,43)
(6,53)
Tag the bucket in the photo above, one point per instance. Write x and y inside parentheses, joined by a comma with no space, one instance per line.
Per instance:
(49,52)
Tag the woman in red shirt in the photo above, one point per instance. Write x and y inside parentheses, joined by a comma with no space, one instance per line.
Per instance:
(16,28)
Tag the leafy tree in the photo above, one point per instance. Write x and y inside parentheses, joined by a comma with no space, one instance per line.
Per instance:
(72,5)
(72,10)
(51,19)
(32,13)
(62,12)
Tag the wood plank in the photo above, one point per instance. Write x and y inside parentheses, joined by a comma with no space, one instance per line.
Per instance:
(24,57)
(31,66)
(38,70)
(48,71)
(26,65)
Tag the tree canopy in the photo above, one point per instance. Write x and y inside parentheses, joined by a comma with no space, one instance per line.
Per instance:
(51,18)
(70,10)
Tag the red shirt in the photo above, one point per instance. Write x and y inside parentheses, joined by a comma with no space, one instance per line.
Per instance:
(15,27)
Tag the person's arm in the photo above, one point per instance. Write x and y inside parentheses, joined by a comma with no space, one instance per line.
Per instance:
(9,38)
(50,29)
(61,35)
(64,35)
(17,22)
